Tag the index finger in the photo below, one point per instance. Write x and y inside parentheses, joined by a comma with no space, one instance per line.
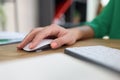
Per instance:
(29,37)
(47,31)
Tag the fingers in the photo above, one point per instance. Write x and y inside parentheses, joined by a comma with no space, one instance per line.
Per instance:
(52,30)
(57,43)
(61,41)
(29,37)
(67,38)
(40,36)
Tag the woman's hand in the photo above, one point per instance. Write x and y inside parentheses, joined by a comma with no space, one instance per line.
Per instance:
(63,36)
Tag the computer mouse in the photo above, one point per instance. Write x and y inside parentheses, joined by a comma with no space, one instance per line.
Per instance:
(43,45)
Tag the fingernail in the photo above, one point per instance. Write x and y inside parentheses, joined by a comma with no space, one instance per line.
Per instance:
(54,45)
(18,46)
(31,46)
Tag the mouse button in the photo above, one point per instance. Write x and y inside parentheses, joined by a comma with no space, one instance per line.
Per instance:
(26,48)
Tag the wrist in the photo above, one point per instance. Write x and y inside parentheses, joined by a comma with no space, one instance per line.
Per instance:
(82,32)
(77,33)
(86,32)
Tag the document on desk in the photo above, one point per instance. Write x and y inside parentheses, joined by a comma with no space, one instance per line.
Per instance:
(11,37)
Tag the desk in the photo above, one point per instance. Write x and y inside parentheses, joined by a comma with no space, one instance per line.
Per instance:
(52,64)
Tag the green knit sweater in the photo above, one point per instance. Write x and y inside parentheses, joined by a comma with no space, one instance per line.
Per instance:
(108,22)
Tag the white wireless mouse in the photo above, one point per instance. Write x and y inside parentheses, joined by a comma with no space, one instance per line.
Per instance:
(43,45)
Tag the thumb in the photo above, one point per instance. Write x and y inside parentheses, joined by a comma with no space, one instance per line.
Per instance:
(58,42)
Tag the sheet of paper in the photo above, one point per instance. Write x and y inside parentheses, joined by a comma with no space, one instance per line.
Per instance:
(11,37)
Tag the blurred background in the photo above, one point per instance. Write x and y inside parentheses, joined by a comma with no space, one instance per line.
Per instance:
(23,15)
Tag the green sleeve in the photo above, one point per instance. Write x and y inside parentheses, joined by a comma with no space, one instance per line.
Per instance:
(101,24)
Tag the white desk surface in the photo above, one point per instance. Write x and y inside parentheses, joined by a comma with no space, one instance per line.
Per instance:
(53,67)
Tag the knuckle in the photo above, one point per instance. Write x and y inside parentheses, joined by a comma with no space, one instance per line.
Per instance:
(55,26)
(72,41)
(34,29)
(60,41)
